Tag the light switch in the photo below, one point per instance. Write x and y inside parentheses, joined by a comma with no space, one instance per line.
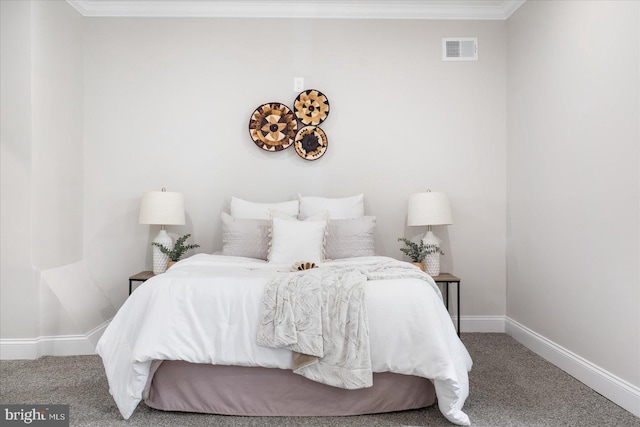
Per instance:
(298,84)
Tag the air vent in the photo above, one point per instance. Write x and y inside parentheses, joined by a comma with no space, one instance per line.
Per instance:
(460,49)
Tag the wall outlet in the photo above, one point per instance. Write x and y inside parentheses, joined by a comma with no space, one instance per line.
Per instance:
(298,84)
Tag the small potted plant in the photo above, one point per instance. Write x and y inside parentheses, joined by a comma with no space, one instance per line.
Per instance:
(419,251)
(179,248)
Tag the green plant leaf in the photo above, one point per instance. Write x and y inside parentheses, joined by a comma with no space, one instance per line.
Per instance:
(179,248)
(418,251)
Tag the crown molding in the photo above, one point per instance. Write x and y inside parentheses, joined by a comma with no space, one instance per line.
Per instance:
(509,7)
(337,9)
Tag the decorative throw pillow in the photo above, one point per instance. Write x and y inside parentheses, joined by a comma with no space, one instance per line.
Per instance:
(293,241)
(250,210)
(338,208)
(348,238)
(245,237)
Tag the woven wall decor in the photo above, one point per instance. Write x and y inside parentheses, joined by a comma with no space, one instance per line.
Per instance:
(311,142)
(311,107)
(273,126)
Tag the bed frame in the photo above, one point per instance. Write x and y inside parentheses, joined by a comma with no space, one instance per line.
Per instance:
(254,391)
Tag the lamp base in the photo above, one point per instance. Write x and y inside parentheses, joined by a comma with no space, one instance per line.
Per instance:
(159,259)
(430,239)
(432,264)
(431,261)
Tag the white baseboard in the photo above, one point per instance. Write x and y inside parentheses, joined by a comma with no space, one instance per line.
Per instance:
(607,384)
(480,323)
(63,345)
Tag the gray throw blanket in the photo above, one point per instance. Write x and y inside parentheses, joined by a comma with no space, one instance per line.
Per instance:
(321,315)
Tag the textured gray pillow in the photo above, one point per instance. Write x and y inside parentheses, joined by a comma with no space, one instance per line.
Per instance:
(348,238)
(245,237)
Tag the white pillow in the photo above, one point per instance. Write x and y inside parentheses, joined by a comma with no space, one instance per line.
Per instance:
(244,209)
(340,208)
(293,241)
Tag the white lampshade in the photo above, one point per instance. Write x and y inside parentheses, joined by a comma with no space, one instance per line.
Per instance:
(162,208)
(430,208)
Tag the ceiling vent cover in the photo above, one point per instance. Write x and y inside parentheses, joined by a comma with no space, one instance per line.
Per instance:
(460,49)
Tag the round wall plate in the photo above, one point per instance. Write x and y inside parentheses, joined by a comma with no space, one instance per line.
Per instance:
(311,107)
(311,142)
(273,126)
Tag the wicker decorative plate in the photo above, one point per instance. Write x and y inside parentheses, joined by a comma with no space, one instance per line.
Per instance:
(311,142)
(311,107)
(273,126)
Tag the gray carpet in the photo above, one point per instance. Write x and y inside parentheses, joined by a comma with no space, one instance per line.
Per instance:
(510,386)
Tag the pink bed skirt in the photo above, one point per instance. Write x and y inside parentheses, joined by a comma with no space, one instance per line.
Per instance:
(237,390)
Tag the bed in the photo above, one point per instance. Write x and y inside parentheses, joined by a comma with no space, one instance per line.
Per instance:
(238,335)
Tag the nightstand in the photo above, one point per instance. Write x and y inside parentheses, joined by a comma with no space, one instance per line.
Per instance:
(143,276)
(447,279)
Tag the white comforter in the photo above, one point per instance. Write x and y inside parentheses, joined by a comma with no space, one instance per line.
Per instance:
(206,309)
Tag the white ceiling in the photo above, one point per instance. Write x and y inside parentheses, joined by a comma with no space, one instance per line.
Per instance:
(354,9)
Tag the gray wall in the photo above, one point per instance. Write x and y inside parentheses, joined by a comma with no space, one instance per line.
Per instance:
(573,259)
(18,292)
(42,163)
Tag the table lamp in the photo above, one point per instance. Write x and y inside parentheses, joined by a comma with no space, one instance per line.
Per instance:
(430,208)
(161,208)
